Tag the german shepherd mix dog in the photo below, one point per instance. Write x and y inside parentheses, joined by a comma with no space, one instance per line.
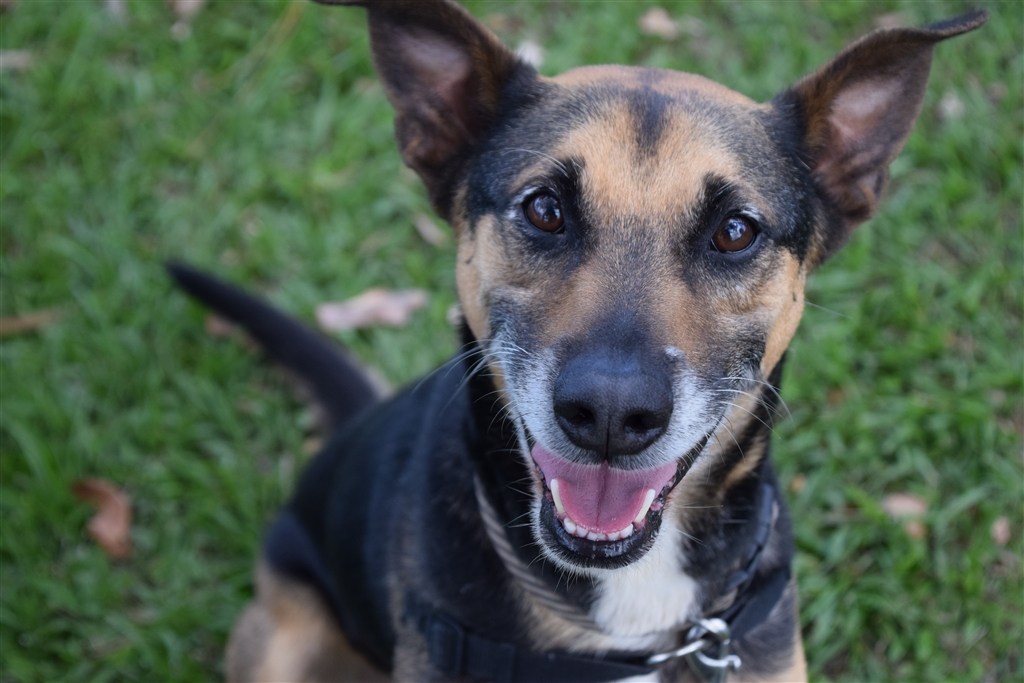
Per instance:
(584,494)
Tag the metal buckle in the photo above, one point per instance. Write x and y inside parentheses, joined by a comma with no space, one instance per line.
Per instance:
(706,633)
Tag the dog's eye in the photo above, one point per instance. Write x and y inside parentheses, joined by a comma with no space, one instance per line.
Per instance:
(734,234)
(544,212)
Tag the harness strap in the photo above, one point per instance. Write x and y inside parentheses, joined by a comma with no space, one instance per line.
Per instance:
(458,654)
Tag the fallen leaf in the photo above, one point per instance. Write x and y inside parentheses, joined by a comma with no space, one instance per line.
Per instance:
(915,529)
(657,22)
(891,20)
(903,505)
(27,323)
(15,60)
(798,483)
(428,230)
(951,106)
(372,307)
(111,525)
(186,9)
(531,53)
(1000,531)
(217,326)
(454,315)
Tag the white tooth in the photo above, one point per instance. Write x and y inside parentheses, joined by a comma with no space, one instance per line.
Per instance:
(595,537)
(557,496)
(569,525)
(615,536)
(648,499)
(627,532)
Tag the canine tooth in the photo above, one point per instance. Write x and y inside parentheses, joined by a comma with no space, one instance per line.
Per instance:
(648,499)
(569,525)
(557,496)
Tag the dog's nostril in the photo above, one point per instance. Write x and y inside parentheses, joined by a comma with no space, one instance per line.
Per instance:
(639,423)
(580,417)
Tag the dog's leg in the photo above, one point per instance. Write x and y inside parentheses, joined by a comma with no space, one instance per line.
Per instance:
(288,634)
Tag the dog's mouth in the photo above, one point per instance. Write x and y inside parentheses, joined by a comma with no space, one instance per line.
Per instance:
(598,515)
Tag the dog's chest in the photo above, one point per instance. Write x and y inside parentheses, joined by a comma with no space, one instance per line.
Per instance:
(649,597)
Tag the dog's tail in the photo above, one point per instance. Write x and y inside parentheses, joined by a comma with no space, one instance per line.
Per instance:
(338,384)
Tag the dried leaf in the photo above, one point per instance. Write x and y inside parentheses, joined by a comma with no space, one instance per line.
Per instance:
(951,106)
(657,22)
(531,53)
(27,323)
(372,307)
(428,230)
(15,60)
(915,529)
(1000,531)
(186,9)
(798,483)
(217,326)
(903,505)
(111,525)
(891,20)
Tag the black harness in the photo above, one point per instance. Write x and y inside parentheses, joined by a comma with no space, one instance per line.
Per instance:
(458,653)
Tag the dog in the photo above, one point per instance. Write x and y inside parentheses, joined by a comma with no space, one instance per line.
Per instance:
(585,493)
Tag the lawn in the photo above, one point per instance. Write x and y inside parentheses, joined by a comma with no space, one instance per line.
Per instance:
(258,145)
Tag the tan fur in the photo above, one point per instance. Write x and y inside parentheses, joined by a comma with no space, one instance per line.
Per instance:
(287,634)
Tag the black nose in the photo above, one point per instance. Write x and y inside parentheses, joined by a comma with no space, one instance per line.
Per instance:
(612,404)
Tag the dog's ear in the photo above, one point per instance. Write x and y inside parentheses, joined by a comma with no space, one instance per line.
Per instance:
(854,115)
(444,73)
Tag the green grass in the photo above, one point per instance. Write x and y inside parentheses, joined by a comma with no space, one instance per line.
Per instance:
(260,148)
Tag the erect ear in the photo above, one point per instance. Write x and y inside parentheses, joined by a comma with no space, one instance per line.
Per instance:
(855,114)
(444,73)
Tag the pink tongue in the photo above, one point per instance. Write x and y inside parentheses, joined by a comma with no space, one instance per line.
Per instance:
(602,499)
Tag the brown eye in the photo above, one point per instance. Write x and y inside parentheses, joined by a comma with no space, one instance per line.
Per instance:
(544,212)
(734,234)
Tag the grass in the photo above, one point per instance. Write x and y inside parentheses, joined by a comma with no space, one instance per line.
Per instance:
(260,147)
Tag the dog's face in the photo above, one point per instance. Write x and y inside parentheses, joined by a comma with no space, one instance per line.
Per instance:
(634,249)
(633,243)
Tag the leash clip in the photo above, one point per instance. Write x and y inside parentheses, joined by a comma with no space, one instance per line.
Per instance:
(705,634)
(712,669)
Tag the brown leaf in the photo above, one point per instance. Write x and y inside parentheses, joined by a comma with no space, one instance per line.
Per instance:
(915,529)
(1000,531)
(372,307)
(891,20)
(111,525)
(951,106)
(798,483)
(657,22)
(27,323)
(903,505)
(186,9)
(217,326)
(428,230)
(15,60)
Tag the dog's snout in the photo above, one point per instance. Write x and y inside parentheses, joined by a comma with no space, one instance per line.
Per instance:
(612,408)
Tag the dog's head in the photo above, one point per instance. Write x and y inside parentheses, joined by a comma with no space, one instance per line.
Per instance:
(633,243)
